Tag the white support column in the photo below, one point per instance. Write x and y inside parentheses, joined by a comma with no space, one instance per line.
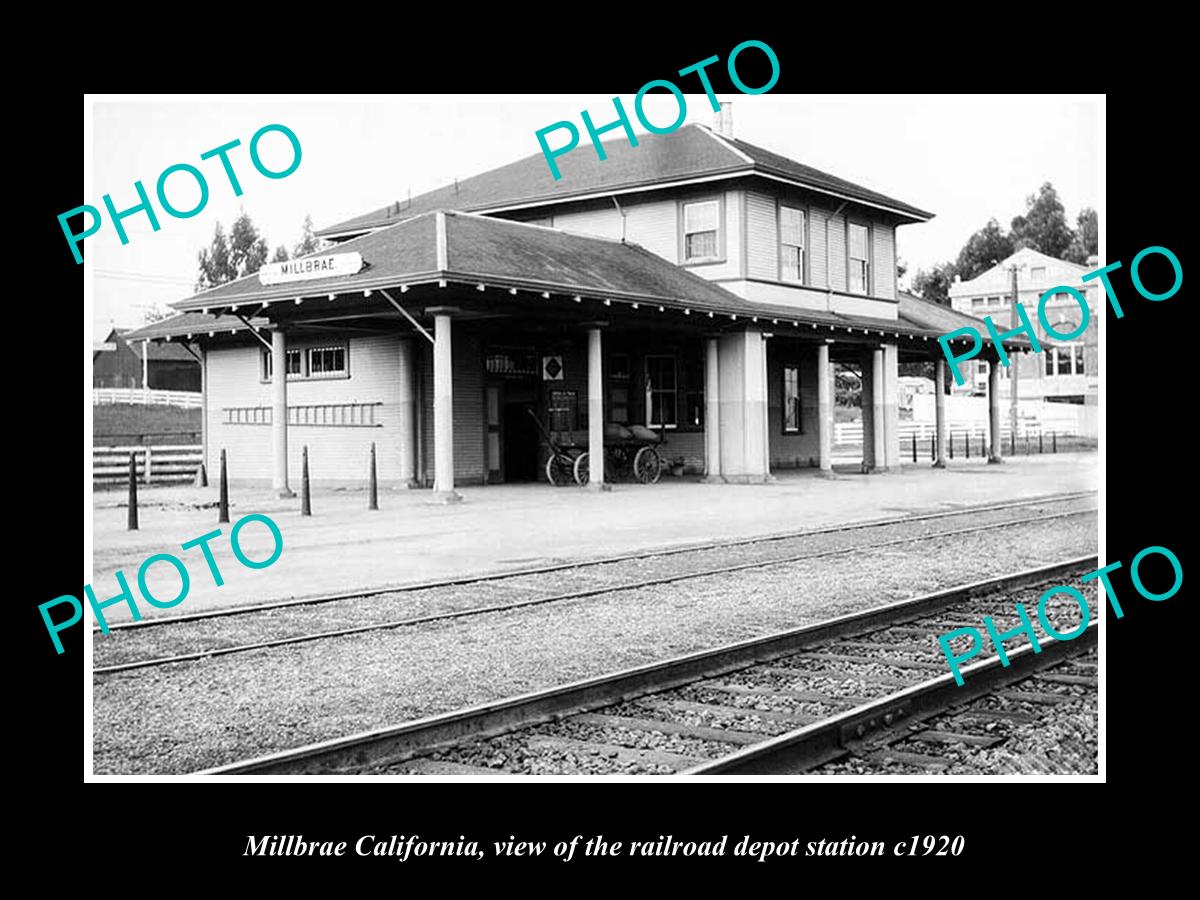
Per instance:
(939,406)
(204,410)
(824,409)
(891,408)
(279,417)
(595,395)
(712,413)
(878,414)
(443,409)
(406,423)
(867,409)
(766,419)
(994,410)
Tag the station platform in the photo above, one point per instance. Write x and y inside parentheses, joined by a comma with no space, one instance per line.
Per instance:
(343,546)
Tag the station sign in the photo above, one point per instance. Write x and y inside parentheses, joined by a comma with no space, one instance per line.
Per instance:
(310,268)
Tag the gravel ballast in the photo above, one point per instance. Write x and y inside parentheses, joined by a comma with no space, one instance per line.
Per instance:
(190,716)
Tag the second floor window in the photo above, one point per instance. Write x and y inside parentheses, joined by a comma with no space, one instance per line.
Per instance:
(859,266)
(791,244)
(701,224)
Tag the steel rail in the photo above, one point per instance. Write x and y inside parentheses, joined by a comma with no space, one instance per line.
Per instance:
(560,598)
(824,741)
(396,743)
(586,563)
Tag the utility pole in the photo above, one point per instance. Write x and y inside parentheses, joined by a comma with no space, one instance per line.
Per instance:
(1015,377)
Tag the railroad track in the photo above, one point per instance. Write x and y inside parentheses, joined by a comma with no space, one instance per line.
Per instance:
(782,703)
(215,633)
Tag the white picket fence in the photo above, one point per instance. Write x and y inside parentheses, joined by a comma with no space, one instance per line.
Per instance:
(146,397)
(168,464)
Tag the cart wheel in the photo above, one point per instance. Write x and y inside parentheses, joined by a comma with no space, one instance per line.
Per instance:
(558,470)
(581,469)
(646,465)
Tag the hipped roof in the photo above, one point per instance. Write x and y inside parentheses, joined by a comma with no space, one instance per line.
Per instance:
(693,152)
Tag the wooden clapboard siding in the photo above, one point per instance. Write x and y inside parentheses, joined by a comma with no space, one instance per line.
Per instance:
(818,271)
(337,453)
(883,238)
(762,237)
(837,252)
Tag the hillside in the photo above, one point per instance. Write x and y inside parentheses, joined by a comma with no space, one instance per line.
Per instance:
(121,423)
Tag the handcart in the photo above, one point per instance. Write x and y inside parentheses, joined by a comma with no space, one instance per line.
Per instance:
(628,450)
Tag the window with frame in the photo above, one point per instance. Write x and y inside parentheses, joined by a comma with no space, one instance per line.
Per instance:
(791,400)
(791,244)
(295,364)
(661,392)
(701,231)
(1051,352)
(618,388)
(858,268)
(326,362)
(1037,274)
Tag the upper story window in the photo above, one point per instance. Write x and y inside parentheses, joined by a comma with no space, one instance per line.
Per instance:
(701,231)
(1037,273)
(791,244)
(859,261)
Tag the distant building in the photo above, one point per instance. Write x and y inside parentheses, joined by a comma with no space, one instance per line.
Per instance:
(1067,371)
(117,363)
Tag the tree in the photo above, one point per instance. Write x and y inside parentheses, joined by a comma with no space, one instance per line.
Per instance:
(309,242)
(281,254)
(1086,239)
(983,249)
(215,264)
(901,268)
(934,285)
(1044,225)
(247,249)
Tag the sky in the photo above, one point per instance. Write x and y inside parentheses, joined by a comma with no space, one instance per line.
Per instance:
(965,158)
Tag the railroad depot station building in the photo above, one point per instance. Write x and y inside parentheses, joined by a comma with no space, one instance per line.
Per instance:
(695,284)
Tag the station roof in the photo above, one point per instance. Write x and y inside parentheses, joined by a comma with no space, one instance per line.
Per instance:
(689,154)
(471,250)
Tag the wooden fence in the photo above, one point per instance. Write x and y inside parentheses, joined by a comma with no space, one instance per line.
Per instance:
(167,464)
(151,397)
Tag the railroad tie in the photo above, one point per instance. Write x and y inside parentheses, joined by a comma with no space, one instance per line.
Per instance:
(602,720)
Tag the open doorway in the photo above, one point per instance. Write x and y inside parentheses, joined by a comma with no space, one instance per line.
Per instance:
(848,450)
(521,440)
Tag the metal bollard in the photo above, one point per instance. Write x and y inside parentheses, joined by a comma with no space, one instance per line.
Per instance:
(305,498)
(374,486)
(952,445)
(1013,443)
(133,510)
(914,443)
(223,502)
(933,446)
(201,476)
(1054,442)
(968,443)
